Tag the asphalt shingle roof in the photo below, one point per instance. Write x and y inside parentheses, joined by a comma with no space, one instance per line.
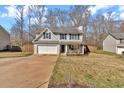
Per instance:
(66,30)
(118,35)
(62,30)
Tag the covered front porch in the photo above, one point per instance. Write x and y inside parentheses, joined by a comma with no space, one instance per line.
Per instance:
(72,49)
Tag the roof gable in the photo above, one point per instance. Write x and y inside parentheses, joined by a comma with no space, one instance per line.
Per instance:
(39,37)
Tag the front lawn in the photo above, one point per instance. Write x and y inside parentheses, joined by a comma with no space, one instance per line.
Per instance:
(105,52)
(93,70)
(14,54)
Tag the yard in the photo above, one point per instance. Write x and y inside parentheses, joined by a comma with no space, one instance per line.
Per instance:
(93,70)
(14,54)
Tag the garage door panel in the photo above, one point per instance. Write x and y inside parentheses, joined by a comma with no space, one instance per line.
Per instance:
(47,49)
(120,50)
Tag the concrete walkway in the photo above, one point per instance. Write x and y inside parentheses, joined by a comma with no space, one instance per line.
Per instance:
(26,72)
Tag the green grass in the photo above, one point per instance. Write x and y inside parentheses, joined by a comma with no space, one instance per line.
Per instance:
(14,54)
(98,70)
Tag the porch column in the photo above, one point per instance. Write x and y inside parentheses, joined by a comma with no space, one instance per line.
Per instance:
(35,49)
(82,49)
(66,49)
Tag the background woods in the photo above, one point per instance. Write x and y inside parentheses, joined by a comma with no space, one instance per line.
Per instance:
(30,20)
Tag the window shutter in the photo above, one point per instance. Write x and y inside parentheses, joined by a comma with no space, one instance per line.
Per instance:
(49,35)
(43,35)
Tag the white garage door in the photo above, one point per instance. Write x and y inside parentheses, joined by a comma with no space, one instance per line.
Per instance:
(120,50)
(47,49)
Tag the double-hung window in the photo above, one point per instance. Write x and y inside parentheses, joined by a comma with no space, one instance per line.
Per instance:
(63,36)
(46,35)
(74,36)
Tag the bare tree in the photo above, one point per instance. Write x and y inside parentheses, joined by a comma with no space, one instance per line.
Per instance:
(57,18)
(79,16)
(38,12)
(17,30)
(110,22)
(51,19)
(98,26)
(20,23)
(121,28)
(36,15)
(15,35)
(62,18)
(29,15)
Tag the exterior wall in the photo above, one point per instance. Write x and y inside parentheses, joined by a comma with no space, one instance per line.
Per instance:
(109,44)
(53,37)
(117,42)
(4,39)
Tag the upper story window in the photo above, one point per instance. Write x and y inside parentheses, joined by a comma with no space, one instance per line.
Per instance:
(78,36)
(74,36)
(63,36)
(46,35)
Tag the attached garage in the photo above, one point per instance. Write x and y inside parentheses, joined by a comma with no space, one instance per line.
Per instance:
(114,42)
(120,50)
(47,49)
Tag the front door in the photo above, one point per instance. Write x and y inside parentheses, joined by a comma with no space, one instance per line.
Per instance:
(62,48)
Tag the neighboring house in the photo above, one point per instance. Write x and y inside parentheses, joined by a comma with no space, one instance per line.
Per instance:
(4,39)
(59,41)
(114,42)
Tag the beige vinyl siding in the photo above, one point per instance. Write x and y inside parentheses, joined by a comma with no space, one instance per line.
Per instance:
(53,37)
(109,44)
(4,39)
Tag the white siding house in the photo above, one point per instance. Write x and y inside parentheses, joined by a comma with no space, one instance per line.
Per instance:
(4,38)
(114,42)
(59,41)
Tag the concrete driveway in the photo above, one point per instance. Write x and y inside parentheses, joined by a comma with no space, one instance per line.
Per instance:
(26,72)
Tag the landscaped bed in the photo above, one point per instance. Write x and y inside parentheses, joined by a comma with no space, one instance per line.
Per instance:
(14,54)
(93,70)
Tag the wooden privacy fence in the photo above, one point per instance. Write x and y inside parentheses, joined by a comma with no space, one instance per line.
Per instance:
(92,48)
(27,47)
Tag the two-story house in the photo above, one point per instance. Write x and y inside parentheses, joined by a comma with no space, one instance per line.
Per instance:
(59,41)
(114,42)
